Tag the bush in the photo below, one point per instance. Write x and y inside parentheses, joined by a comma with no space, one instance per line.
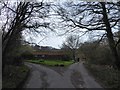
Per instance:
(109,77)
(27,55)
(61,65)
(97,54)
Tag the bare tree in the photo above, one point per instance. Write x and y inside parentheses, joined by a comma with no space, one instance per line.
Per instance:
(72,44)
(92,16)
(20,16)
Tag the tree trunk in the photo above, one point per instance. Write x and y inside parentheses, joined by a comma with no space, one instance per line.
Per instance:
(6,46)
(5,51)
(74,56)
(110,37)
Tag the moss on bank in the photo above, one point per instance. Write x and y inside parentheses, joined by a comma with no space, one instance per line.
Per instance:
(14,76)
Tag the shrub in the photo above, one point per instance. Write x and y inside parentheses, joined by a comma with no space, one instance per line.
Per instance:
(97,54)
(109,77)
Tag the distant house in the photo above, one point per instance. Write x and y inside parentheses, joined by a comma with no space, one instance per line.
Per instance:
(51,55)
(45,52)
(44,48)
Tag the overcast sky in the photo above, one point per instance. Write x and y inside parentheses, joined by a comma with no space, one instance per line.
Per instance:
(51,38)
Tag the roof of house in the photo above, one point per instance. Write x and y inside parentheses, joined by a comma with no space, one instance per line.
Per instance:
(49,53)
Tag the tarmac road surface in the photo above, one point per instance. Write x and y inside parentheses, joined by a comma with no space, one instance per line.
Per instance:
(75,76)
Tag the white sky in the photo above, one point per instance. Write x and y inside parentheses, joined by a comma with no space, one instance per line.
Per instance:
(52,39)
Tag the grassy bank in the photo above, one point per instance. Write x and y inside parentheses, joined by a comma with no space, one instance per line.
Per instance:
(108,77)
(14,76)
(51,62)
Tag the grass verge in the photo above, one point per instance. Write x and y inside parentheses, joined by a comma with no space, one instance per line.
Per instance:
(14,76)
(52,62)
(108,77)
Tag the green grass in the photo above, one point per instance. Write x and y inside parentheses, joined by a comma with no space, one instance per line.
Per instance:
(51,62)
(108,77)
(14,76)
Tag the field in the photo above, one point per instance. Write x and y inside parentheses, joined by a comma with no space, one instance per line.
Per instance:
(52,62)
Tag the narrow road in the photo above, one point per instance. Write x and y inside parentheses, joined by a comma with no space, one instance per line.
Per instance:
(75,76)
(50,79)
(88,80)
